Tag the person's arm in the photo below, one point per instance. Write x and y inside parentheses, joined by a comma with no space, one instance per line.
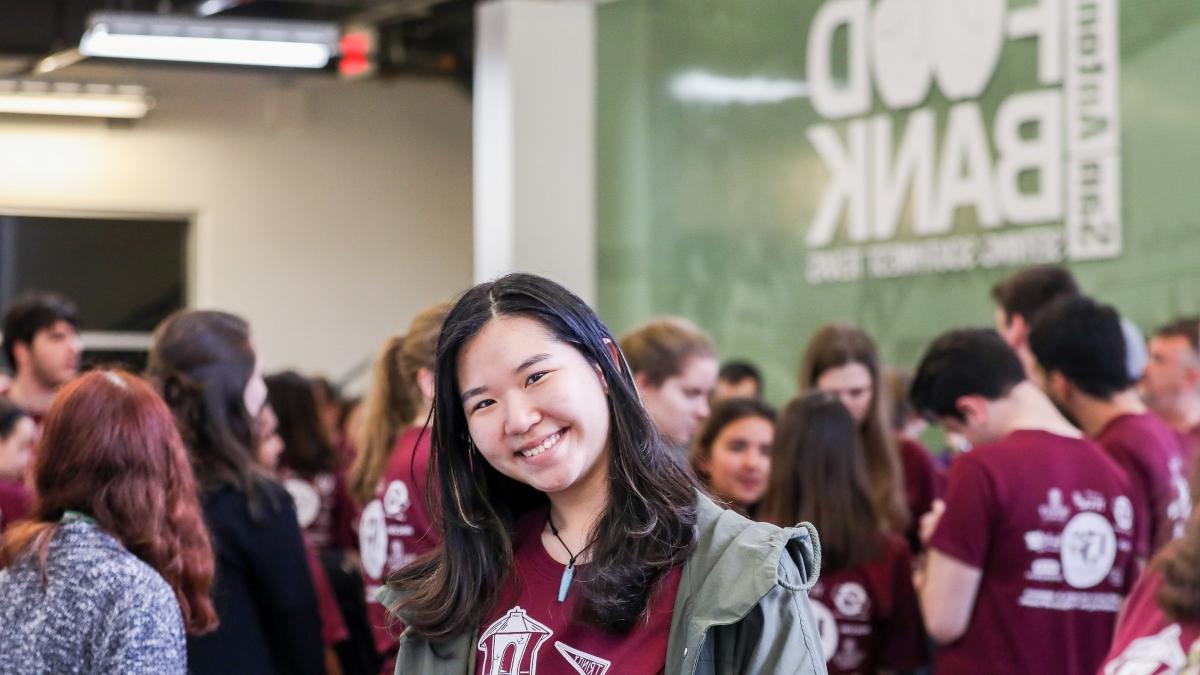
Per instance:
(948,596)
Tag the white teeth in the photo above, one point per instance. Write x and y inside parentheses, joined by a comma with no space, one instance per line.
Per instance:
(545,445)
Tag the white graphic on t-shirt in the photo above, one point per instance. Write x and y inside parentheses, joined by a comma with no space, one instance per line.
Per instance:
(372,539)
(1054,509)
(827,628)
(396,499)
(510,645)
(1088,500)
(1042,542)
(1181,505)
(849,655)
(1089,547)
(583,662)
(1122,510)
(1159,653)
(851,600)
(308,502)
(1045,569)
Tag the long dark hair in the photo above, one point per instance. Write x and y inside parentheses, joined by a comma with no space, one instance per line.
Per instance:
(202,362)
(836,345)
(305,449)
(648,527)
(111,451)
(818,474)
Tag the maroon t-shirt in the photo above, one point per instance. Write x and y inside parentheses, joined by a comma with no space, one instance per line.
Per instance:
(15,502)
(1150,453)
(1050,523)
(333,626)
(1147,642)
(323,507)
(868,615)
(530,632)
(923,483)
(394,529)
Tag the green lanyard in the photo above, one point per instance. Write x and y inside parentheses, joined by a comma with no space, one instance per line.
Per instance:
(69,517)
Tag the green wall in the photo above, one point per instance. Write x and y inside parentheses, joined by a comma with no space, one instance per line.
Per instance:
(703,208)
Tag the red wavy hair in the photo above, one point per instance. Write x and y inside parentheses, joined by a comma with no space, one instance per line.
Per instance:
(110,450)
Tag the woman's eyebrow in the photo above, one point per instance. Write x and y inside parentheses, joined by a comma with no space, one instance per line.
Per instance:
(536,358)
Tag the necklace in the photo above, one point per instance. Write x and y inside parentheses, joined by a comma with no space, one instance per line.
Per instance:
(568,574)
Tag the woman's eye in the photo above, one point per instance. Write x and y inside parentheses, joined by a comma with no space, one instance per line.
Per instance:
(480,405)
(535,378)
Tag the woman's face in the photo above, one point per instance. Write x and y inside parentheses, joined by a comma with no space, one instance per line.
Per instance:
(679,405)
(852,385)
(16,451)
(255,393)
(536,409)
(739,462)
(270,444)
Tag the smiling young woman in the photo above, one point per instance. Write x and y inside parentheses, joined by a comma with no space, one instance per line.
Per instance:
(573,539)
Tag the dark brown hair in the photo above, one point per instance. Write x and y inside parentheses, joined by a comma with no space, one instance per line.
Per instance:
(660,348)
(837,345)
(1027,291)
(305,450)
(818,475)
(647,529)
(1188,327)
(110,450)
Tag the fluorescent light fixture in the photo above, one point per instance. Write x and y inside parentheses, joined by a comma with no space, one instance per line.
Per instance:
(24,97)
(248,42)
(708,89)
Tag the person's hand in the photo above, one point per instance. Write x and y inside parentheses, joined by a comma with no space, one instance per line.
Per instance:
(929,521)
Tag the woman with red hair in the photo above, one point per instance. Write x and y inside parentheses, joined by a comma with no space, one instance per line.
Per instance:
(113,566)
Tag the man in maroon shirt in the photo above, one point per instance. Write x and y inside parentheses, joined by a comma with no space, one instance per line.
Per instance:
(1080,350)
(1171,383)
(1034,546)
(41,342)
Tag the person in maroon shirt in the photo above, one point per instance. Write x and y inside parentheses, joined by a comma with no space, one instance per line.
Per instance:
(1170,384)
(842,360)
(1159,629)
(1037,540)
(17,433)
(569,525)
(1080,351)
(732,452)
(390,474)
(865,604)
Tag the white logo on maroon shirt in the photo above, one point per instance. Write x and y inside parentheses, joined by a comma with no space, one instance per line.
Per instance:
(827,628)
(851,600)
(1123,512)
(1054,509)
(308,502)
(583,662)
(510,645)
(1150,654)
(372,539)
(396,499)
(1089,547)
(1088,500)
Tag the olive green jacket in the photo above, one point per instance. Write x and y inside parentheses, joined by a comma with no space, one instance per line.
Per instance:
(742,606)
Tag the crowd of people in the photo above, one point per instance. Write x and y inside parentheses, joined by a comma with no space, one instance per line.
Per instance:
(520,491)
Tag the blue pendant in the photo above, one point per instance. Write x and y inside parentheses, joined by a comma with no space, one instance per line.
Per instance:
(565,582)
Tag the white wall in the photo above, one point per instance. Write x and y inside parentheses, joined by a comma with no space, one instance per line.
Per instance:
(327,213)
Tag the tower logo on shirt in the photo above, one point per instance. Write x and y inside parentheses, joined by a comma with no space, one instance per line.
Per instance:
(583,662)
(1054,510)
(510,645)
(1089,547)
(827,628)
(396,499)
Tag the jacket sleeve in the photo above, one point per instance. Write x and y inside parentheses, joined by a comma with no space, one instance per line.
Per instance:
(780,634)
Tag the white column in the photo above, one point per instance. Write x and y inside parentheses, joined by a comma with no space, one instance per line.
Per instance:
(534,154)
